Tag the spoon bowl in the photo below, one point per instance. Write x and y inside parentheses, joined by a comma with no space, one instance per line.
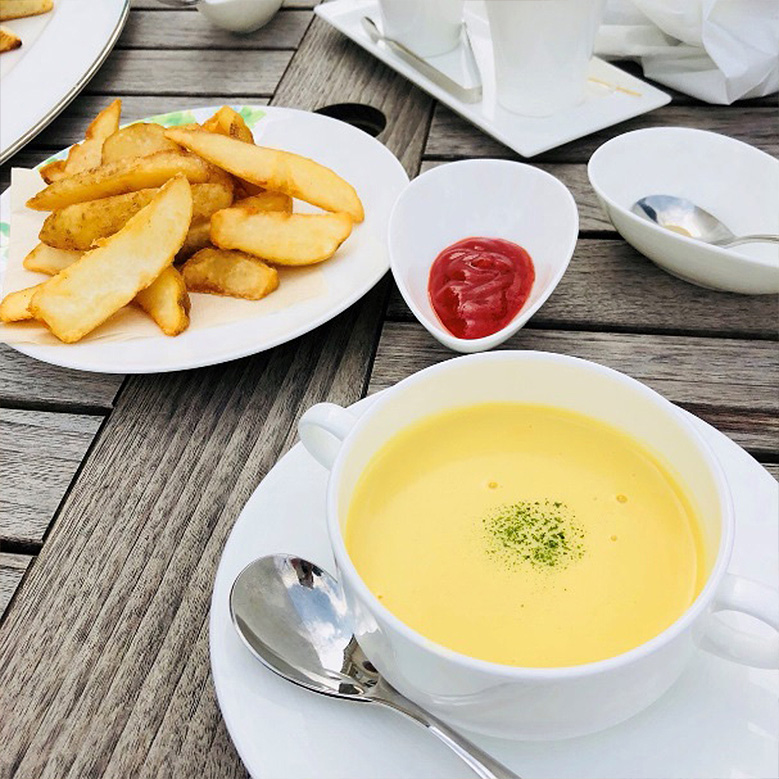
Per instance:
(292,616)
(684,217)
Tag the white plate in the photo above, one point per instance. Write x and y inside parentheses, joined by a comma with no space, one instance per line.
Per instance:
(61,50)
(366,163)
(612,95)
(719,720)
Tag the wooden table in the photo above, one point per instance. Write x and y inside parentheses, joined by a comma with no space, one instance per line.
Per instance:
(118,493)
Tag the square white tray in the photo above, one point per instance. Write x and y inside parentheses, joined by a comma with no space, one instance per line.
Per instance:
(612,95)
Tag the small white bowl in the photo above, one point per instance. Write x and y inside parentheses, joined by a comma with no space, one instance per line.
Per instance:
(485,199)
(734,181)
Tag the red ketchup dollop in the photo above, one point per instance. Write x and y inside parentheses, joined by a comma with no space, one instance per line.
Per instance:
(478,285)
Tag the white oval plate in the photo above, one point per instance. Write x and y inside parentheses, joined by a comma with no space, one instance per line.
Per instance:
(61,50)
(719,720)
(366,163)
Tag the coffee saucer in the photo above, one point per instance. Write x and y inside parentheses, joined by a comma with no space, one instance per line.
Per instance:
(719,720)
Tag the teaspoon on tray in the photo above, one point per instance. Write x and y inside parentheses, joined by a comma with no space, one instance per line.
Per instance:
(293,618)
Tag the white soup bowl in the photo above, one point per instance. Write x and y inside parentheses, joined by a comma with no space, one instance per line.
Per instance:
(541,703)
(732,180)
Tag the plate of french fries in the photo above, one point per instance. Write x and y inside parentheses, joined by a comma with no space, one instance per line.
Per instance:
(49,49)
(192,238)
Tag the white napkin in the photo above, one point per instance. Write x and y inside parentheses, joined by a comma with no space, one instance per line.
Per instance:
(716,50)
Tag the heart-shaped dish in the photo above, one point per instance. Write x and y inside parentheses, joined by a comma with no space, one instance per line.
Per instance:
(487,199)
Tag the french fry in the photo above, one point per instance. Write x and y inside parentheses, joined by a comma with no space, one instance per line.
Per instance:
(136,140)
(117,178)
(273,169)
(105,279)
(9,40)
(235,274)
(48,260)
(265,201)
(17,9)
(53,171)
(227,121)
(88,155)
(281,238)
(198,237)
(81,225)
(166,301)
(16,305)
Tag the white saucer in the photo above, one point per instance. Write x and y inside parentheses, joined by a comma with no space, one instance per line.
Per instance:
(719,720)
(612,95)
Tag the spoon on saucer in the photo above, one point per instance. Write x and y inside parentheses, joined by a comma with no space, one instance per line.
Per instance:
(684,217)
(293,618)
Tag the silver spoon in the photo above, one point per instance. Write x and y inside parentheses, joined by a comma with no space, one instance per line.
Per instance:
(466,93)
(293,618)
(684,217)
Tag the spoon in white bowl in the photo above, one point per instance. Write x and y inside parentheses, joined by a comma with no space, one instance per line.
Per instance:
(684,217)
(293,618)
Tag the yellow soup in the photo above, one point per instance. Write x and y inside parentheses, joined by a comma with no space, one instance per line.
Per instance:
(525,535)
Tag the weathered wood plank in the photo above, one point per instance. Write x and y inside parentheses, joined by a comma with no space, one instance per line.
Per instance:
(773,469)
(609,285)
(346,73)
(24,381)
(40,453)
(12,569)
(452,137)
(729,383)
(150,29)
(189,72)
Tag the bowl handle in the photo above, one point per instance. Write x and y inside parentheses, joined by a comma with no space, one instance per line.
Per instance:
(322,430)
(760,601)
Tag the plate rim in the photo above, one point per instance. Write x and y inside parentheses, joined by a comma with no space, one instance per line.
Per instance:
(74,91)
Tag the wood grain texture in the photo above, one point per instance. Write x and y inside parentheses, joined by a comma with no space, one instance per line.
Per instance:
(124,579)
(452,137)
(729,383)
(347,74)
(189,72)
(28,382)
(40,453)
(610,286)
(150,29)
(12,569)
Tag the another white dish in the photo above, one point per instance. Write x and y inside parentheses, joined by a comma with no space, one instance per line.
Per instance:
(241,16)
(61,50)
(736,182)
(612,95)
(366,163)
(483,199)
(719,720)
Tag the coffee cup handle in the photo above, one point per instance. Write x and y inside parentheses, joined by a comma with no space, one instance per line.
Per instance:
(323,428)
(760,601)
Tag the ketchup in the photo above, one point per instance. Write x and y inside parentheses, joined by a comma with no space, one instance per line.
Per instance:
(478,285)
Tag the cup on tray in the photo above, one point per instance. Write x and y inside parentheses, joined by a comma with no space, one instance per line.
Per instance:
(542,51)
(427,28)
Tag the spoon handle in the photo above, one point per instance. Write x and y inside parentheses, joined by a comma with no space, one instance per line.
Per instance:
(748,239)
(482,764)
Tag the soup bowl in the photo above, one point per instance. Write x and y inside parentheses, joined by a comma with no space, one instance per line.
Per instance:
(542,703)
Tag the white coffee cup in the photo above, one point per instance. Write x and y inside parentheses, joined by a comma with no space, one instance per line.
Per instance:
(240,16)
(427,27)
(542,50)
(542,703)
